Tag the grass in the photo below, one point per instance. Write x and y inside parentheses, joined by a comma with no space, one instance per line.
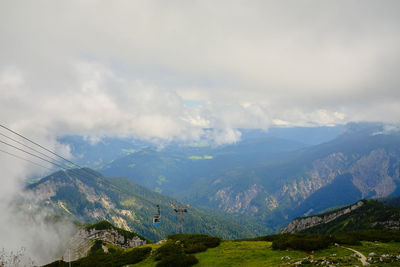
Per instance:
(189,249)
(128,151)
(252,253)
(200,157)
(179,249)
(196,157)
(392,248)
(245,253)
(260,253)
(378,247)
(256,253)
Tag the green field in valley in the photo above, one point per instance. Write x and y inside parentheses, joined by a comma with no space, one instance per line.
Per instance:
(260,253)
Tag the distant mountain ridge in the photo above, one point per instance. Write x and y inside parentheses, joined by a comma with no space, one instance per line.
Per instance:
(176,168)
(97,152)
(90,198)
(273,179)
(365,214)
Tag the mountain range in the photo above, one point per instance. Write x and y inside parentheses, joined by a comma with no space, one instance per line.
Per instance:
(260,183)
(247,189)
(84,195)
(362,215)
(270,178)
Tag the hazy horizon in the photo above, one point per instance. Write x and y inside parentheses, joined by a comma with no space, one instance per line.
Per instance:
(186,71)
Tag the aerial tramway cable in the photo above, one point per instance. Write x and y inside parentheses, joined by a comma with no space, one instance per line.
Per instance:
(29,153)
(84,172)
(21,158)
(55,162)
(42,147)
(31,148)
(20,149)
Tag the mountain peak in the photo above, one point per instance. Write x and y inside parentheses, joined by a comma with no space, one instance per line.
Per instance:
(362,128)
(368,129)
(124,203)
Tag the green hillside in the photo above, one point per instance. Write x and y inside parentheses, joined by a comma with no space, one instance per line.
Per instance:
(202,250)
(271,179)
(373,247)
(372,215)
(175,168)
(90,198)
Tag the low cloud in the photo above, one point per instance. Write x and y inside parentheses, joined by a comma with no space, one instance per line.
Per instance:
(191,71)
(132,68)
(40,237)
(23,227)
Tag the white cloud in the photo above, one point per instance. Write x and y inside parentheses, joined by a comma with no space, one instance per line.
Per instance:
(278,57)
(97,68)
(128,68)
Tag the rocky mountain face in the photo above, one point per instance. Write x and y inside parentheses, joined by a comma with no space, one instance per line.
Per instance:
(270,179)
(81,243)
(278,189)
(87,196)
(84,196)
(300,224)
(365,214)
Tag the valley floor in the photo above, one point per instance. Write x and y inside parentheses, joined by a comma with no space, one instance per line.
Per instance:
(260,253)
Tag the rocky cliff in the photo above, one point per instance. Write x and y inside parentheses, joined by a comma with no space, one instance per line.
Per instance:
(81,243)
(363,215)
(125,204)
(300,224)
(371,159)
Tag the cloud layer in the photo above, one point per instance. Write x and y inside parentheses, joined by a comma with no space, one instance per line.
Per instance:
(126,68)
(188,70)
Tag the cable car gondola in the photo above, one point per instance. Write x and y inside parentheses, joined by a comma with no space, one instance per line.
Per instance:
(157,217)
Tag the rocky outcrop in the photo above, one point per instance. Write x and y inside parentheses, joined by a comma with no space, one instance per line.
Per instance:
(373,173)
(301,224)
(82,241)
(325,170)
(391,225)
(78,247)
(238,201)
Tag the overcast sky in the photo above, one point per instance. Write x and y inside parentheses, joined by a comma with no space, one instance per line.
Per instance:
(168,69)
(165,70)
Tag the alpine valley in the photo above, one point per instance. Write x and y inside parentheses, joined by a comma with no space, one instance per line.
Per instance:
(246,190)
(270,178)
(84,195)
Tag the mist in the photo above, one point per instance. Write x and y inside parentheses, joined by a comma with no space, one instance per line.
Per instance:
(24,227)
(131,69)
(181,71)
(40,237)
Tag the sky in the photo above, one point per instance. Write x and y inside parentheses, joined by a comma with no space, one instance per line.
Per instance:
(188,70)
(169,69)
